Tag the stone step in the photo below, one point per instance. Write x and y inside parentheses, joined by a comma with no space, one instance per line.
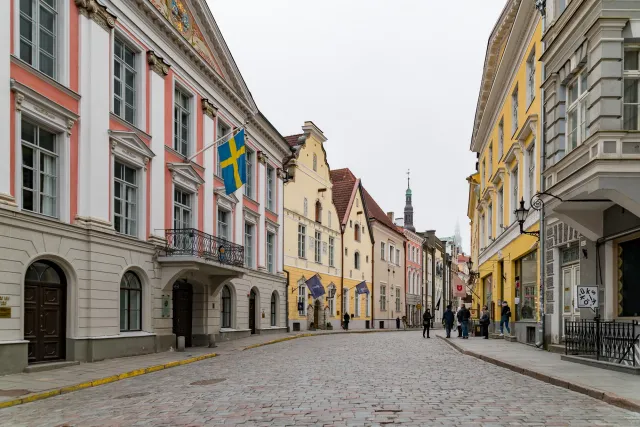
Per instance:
(42,367)
(556,348)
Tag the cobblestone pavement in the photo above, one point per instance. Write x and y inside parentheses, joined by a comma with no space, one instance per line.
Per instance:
(368,379)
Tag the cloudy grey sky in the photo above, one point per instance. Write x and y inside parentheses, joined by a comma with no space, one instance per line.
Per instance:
(392,83)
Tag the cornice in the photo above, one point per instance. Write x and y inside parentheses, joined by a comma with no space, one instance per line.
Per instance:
(528,127)
(158,64)
(512,153)
(96,11)
(498,176)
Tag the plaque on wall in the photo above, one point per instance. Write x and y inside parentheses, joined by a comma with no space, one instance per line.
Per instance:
(5,312)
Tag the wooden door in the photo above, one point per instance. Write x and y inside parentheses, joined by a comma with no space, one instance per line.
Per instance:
(183,311)
(252,312)
(45,299)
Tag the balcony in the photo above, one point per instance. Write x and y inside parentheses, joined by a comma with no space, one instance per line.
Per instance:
(189,242)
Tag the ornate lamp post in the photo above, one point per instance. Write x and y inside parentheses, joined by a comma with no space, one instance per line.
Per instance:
(535,203)
(541,5)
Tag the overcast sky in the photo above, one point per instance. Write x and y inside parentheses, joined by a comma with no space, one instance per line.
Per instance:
(393,85)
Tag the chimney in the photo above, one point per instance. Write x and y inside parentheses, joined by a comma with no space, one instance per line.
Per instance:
(390,215)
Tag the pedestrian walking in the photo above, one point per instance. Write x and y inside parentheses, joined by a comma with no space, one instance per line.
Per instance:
(505,315)
(426,323)
(459,321)
(485,320)
(466,315)
(448,318)
(346,318)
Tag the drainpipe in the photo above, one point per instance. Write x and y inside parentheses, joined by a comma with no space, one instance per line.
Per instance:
(373,263)
(342,229)
(543,152)
(286,299)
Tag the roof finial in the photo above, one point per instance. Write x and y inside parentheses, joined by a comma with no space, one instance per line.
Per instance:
(408,178)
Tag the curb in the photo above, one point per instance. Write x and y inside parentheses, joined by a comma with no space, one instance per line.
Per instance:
(101,381)
(610,398)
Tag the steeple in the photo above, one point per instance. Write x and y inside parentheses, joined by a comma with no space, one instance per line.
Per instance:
(408,209)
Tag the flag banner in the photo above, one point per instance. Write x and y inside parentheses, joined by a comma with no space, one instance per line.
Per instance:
(361,288)
(315,286)
(459,289)
(233,162)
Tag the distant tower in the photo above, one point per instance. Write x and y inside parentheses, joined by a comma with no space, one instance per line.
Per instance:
(408,209)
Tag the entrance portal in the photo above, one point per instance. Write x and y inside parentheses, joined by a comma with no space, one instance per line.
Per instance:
(45,297)
(183,311)
(252,311)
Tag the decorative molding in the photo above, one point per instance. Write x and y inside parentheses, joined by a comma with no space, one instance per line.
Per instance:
(530,126)
(262,158)
(512,153)
(208,108)
(227,202)
(129,146)
(92,9)
(185,175)
(158,64)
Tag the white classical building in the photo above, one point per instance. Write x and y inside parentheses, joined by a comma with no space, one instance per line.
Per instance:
(116,234)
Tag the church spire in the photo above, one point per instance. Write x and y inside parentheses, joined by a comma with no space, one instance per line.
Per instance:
(408,208)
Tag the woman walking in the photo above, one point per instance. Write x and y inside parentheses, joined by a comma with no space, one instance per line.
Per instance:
(484,322)
(426,323)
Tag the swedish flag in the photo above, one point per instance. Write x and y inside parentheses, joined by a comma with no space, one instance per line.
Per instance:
(233,162)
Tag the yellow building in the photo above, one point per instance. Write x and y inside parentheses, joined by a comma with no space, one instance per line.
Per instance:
(506,136)
(312,238)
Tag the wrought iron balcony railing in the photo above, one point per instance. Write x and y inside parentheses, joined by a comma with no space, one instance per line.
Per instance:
(610,341)
(192,242)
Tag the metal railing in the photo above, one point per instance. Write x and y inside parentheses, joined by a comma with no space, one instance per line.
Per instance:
(610,341)
(192,242)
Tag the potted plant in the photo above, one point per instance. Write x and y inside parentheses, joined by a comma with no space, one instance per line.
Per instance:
(329,326)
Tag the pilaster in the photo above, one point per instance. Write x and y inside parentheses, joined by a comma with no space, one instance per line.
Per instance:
(262,200)
(209,165)
(6,198)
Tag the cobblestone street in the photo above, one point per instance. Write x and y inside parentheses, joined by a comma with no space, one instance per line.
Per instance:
(368,379)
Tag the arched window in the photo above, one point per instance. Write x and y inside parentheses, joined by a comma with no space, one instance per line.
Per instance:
(356,260)
(315,162)
(318,212)
(226,307)
(130,302)
(274,308)
(302,300)
(331,299)
(356,232)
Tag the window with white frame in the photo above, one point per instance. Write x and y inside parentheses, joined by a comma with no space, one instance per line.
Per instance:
(631,98)
(271,239)
(182,209)
(501,138)
(391,254)
(124,81)
(490,160)
(317,245)
(397,256)
(490,222)
(226,307)
(382,250)
(531,77)
(367,305)
(302,298)
(130,302)
(271,193)
(332,250)
(514,110)
(223,130)
(500,221)
(356,260)
(345,301)
(383,297)
(302,241)
(531,156)
(514,193)
(577,111)
(357,304)
(274,306)
(248,245)
(181,121)
(331,299)
(483,243)
(125,199)
(248,186)
(40,170)
(39,34)
(398,299)
(223,223)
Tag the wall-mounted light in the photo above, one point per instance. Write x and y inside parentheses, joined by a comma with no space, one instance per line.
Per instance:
(541,5)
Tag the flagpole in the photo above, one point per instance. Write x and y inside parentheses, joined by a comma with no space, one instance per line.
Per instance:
(243,127)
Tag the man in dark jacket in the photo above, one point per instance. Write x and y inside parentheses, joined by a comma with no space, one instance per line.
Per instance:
(448,318)
(466,316)
(485,320)
(346,319)
(505,315)
(426,323)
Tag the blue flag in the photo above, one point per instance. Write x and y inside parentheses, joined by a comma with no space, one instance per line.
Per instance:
(315,286)
(233,162)
(361,288)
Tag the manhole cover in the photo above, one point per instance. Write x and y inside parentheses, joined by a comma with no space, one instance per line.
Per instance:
(13,393)
(209,382)
(132,395)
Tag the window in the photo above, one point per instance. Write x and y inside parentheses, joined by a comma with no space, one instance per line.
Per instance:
(397,256)
(315,163)
(331,299)
(514,110)
(531,155)
(345,301)
(501,138)
(484,172)
(221,138)
(631,99)
(271,238)
(483,243)
(357,304)
(367,306)
(410,282)
(226,307)
(490,160)
(383,298)
(302,293)
(248,186)
(248,245)
(577,111)
(500,221)
(490,223)
(317,245)
(356,260)
(125,196)
(629,297)
(124,81)
(318,212)
(391,254)
(271,188)
(302,240)
(223,224)
(306,207)
(531,78)
(398,299)
(38,34)
(329,219)
(382,250)
(514,193)
(356,233)
(40,170)
(274,307)
(331,252)
(181,209)
(181,119)
(527,269)
(130,302)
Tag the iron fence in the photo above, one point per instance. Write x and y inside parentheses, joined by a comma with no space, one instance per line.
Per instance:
(192,242)
(610,341)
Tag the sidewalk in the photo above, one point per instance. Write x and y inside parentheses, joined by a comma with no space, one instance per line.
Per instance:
(27,387)
(615,388)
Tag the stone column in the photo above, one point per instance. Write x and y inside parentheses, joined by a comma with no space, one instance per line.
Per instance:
(209,112)
(159,70)
(6,199)
(95,27)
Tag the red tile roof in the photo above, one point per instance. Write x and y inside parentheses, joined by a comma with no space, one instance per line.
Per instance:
(292,140)
(343,181)
(376,212)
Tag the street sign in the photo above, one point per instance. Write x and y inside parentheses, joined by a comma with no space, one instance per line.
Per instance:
(588,297)
(419,306)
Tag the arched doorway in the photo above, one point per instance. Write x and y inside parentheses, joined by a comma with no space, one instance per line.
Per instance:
(45,300)
(252,311)
(183,311)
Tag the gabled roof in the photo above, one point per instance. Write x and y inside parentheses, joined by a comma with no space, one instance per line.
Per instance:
(375,212)
(344,190)
(292,140)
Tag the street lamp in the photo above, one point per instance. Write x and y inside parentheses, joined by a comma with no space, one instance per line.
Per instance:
(541,5)
(521,216)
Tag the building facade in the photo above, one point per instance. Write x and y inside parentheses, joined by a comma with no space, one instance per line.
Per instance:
(413,260)
(117,233)
(505,137)
(313,240)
